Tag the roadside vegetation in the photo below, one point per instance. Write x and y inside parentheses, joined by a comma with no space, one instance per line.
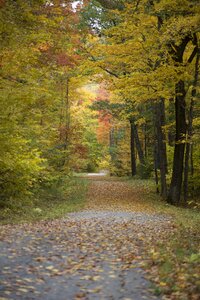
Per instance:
(173,259)
(52,201)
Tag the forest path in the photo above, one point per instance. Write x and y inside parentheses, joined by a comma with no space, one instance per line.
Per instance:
(93,254)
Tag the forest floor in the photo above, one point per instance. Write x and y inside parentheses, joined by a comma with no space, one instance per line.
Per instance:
(124,244)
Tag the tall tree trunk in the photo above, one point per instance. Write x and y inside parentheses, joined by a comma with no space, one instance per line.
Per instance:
(191,161)
(67,115)
(62,108)
(138,144)
(161,144)
(67,123)
(133,156)
(111,137)
(171,117)
(112,143)
(156,167)
(145,140)
(176,52)
(188,152)
(177,175)
(191,166)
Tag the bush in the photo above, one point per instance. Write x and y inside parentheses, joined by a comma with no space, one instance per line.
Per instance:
(19,169)
(91,167)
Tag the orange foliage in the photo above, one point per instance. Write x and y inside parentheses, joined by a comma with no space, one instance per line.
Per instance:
(104,118)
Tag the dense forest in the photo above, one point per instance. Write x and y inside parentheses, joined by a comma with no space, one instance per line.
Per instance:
(91,85)
(99,149)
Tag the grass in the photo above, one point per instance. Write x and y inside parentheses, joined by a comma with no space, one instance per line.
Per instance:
(186,217)
(51,203)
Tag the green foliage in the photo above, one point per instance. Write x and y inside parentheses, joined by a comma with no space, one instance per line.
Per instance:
(91,167)
(53,199)
(20,169)
(95,17)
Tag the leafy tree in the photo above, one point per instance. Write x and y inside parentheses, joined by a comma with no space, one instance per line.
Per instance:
(150,53)
(39,60)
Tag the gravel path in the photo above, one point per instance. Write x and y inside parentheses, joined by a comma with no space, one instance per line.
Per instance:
(86,255)
(110,217)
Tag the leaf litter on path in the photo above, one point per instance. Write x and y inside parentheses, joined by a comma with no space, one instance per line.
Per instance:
(93,254)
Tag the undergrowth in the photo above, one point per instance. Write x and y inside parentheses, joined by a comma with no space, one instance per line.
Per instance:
(50,202)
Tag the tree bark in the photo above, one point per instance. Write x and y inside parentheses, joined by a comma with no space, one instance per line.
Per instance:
(145,141)
(133,156)
(138,145)
(112,137)
(178,161)
(156,168)
(67,114)
(176,52)
(161,144)
(188,152)
(112,143)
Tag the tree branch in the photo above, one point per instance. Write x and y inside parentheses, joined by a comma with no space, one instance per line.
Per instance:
(109,72)
(194,52)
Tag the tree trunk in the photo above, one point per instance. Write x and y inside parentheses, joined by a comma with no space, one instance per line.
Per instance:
(177,175)
(112,137)
(156,168)
(138,145)
(145,141)
(133,156)
(176,52)
(191,161)
(188,153)
(112,143)
(161,144)
(67,124)
(67,115)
